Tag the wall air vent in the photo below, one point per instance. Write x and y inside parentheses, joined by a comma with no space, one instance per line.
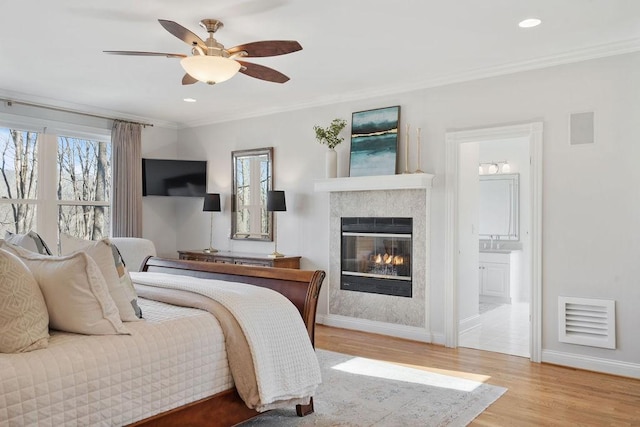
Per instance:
(586,321)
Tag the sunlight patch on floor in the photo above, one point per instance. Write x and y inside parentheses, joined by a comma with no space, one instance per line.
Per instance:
(458,374)
(378,369)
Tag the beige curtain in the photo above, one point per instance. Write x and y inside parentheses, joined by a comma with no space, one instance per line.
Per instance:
(126,145)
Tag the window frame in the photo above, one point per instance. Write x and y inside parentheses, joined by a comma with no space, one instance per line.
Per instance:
(47,204)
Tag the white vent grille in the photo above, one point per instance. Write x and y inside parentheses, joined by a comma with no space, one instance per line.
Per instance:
(585,321)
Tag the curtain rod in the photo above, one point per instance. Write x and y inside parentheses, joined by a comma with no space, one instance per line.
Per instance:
(10,103)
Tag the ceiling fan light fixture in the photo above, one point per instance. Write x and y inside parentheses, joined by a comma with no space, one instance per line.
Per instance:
(210,69)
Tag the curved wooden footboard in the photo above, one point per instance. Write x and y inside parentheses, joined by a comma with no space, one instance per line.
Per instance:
(301,287)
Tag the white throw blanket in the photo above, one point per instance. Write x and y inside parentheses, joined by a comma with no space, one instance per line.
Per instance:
(285,362)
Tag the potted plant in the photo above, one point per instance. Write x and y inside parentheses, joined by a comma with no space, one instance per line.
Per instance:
(330,136)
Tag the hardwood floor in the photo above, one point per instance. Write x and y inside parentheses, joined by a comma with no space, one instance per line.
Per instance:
(538,395)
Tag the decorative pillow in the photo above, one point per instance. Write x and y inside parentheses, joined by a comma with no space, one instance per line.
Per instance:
(106,255)
(74,291)
(24,321)
(30,241)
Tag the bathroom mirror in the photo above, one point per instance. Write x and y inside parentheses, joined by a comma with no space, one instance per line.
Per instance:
(252,177)
(499,213)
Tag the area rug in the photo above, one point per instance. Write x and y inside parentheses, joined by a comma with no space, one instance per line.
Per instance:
(359,392)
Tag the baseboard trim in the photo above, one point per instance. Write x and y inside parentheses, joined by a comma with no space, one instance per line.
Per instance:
(607,366)
(468,324)
(390,329)
(495,300)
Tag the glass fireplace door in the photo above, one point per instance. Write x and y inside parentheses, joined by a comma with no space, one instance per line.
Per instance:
(376,255)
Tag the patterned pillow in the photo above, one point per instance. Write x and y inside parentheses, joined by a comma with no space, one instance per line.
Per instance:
(30,241)
(106,255)
(24,321)
(74,291)
(125,278)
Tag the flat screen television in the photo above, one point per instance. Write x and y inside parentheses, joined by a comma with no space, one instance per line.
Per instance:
(184,178)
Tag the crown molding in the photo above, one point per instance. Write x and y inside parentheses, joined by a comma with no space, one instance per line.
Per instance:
(578,55)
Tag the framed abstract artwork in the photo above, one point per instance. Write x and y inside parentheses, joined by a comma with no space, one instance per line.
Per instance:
(374,142)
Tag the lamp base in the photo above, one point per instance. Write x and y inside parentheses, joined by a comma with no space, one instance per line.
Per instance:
(210,250)
(275,254)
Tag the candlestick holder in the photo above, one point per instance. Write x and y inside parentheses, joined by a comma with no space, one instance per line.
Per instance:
(406,151)
(418,153)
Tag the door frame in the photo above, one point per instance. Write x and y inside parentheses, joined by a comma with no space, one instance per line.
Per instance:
(532,131)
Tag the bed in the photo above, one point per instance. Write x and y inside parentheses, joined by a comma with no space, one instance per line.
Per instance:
(180,392)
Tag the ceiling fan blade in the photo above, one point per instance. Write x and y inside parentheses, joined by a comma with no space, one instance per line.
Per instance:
(263,73)
(266,48)
(182,33)
(135,53)
(188,80)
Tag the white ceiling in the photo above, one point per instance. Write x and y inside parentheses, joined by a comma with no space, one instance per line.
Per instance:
(51,51)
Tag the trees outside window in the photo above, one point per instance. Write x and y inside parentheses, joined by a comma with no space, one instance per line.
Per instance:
(84,187)
(19,187)
(81,170)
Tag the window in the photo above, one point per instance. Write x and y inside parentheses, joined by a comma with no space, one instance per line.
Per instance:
(19,187)
(83,187)
(55,182)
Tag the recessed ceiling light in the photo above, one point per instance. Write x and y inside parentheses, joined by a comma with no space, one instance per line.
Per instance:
(529,23)
(189,100)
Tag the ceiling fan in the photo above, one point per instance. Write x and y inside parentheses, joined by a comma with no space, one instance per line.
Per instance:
(211,63)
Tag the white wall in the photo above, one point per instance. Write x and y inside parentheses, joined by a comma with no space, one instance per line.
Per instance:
(591,232)
(298,160)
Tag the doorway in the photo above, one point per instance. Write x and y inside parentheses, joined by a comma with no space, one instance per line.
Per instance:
(459,254)
(493,240)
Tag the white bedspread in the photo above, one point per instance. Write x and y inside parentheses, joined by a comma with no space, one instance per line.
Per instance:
(285,362)
(175,357)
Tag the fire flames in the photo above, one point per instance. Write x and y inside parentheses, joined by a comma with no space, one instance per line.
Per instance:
(389,259)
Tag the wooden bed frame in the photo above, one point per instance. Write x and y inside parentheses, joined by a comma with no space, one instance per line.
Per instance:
(227,408)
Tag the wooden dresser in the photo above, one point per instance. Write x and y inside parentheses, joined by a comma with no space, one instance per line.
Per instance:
(241,258)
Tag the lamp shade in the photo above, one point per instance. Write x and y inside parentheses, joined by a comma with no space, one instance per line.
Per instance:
(276,201)
(211,202)
(210,69)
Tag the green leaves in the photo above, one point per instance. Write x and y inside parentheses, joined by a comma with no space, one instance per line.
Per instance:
(329,135)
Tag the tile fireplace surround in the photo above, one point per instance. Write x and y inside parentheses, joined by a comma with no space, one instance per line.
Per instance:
(380,196)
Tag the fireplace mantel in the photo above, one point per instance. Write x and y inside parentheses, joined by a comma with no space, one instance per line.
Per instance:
(411,181)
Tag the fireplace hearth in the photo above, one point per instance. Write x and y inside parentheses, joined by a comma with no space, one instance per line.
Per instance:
(376,255)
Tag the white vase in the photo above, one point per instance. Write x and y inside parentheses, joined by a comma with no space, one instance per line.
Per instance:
(331,163)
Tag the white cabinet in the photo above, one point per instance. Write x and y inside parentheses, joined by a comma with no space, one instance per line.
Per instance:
(495,276)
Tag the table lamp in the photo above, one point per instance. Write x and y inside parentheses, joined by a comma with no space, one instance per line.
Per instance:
(211,204)
(276,203)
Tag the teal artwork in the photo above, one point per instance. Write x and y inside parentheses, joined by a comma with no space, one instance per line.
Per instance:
(374,142)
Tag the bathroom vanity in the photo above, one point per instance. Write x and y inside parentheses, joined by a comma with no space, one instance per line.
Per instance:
(497,272)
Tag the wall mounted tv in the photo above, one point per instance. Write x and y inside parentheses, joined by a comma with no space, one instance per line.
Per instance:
(185,178)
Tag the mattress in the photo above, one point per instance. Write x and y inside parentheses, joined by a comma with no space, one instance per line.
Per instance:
(176,356)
